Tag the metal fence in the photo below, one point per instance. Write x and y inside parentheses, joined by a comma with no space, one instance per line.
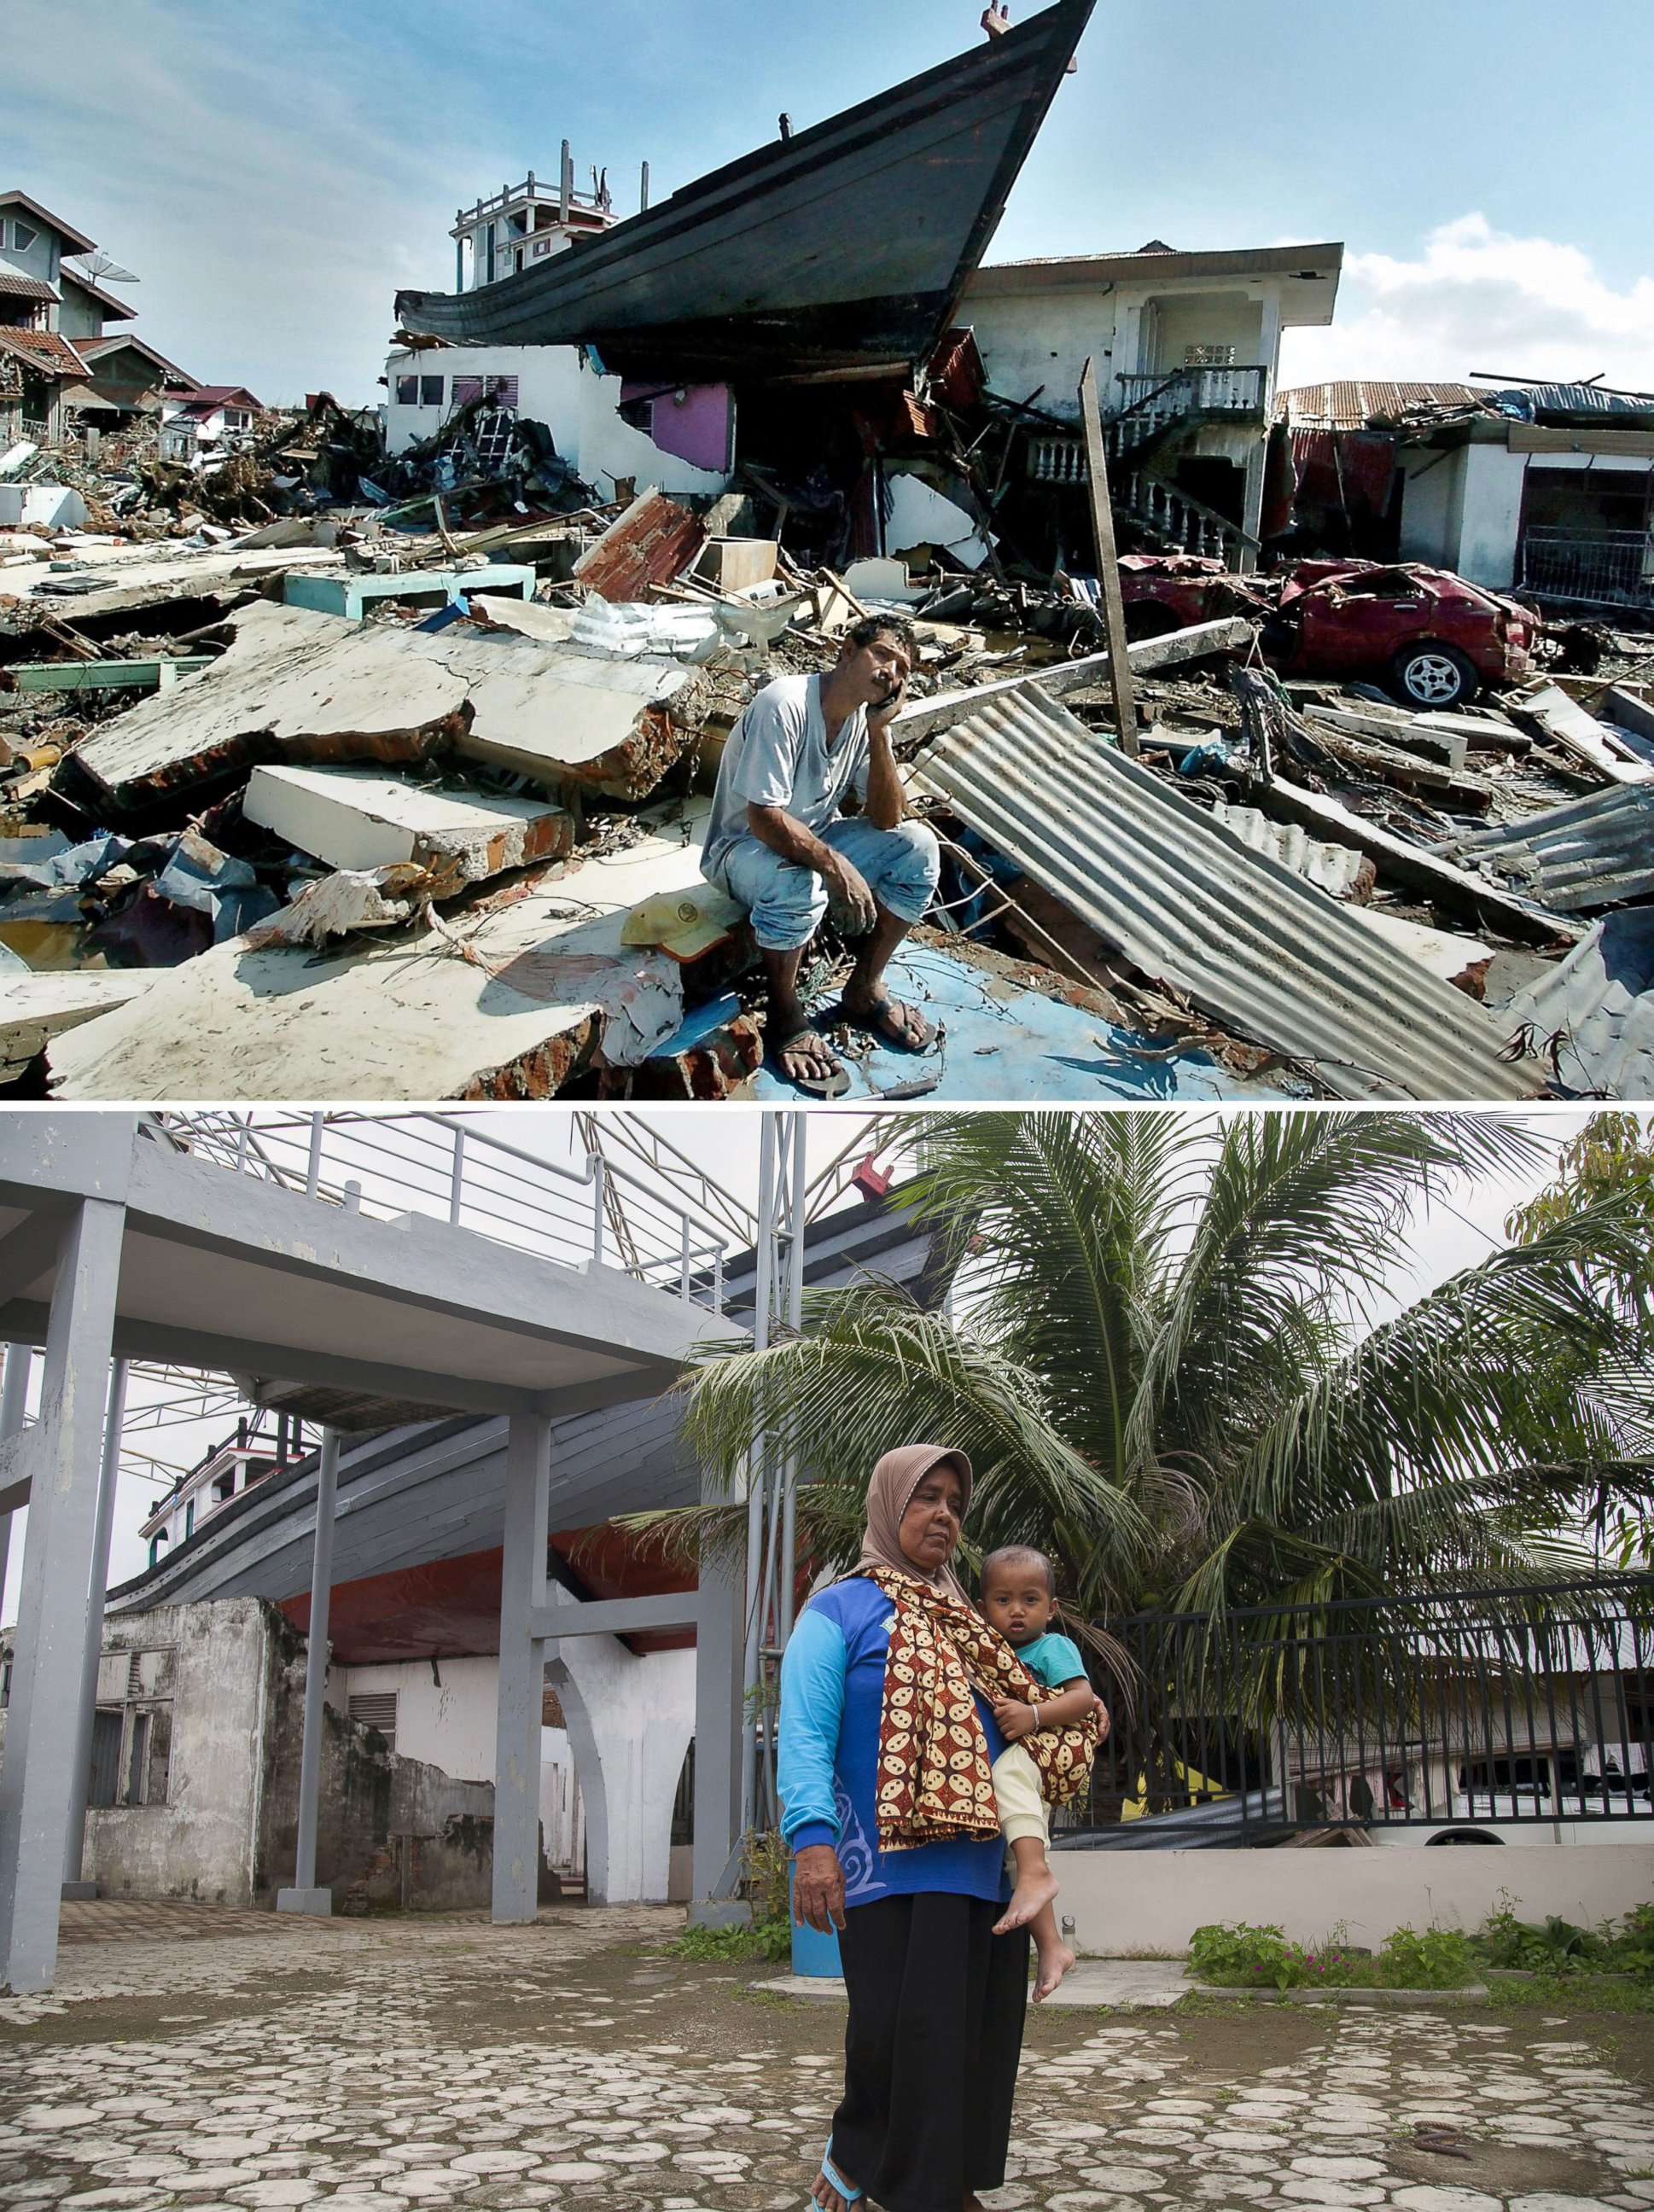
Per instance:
(1460,1711)
(446,1167)
(1615,570)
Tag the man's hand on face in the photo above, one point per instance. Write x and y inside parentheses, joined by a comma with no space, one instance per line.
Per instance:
(850,899)
(884,709)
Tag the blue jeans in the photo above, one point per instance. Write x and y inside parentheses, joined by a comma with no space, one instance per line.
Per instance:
(787,903)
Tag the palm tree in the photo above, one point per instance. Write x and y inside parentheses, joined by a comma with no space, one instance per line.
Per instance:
(1173,1367)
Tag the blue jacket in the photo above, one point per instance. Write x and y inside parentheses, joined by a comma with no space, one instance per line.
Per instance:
(832,1694)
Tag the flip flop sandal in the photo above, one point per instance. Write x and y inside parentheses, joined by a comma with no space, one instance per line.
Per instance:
(836,2179)
(814,1086)
(881,1022)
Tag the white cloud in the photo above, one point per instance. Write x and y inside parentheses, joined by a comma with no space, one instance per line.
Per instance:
(1479,298)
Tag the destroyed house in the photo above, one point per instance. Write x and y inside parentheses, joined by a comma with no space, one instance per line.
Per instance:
(1187,348)
(1545,489)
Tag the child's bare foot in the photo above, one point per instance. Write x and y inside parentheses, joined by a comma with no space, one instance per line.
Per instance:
(1035,1890)
(1054,1960)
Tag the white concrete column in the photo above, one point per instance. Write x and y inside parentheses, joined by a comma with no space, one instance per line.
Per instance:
(62,1454)
(304,1896)
(522,1672)
(718,1661)
(109,1476)
(630,1721)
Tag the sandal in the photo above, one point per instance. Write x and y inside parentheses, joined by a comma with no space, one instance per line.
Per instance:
(835,2180)
(814,1086)
(884,1021)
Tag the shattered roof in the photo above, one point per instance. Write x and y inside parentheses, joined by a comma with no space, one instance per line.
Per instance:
(1595,1010)
(1186,902)
(1591,852)
(1352,406)
(47,350)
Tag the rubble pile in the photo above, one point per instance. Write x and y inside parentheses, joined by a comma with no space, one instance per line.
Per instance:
(333,774)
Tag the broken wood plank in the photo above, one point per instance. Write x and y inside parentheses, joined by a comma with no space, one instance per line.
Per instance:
(1470,794)
(1107,564)
(1551,714)
(922,718)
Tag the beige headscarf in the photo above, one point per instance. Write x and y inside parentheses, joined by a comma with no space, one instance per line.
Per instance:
(890,1493)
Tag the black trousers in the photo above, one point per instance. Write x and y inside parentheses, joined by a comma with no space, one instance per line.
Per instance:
(937,2005)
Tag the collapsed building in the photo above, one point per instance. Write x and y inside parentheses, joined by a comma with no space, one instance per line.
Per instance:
(384,774)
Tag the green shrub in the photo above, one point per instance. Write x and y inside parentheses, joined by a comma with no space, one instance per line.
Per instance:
(1433,1958)
(771,1938)
(1243,1957)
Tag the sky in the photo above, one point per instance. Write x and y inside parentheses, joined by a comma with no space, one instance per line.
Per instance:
(274,169)
(1457,1231)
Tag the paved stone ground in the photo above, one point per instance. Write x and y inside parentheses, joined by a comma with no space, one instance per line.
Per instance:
(385,2065)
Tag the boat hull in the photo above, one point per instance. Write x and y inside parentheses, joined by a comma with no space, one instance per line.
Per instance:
(841,252)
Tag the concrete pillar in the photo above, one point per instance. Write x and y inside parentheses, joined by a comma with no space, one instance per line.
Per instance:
(719,1638)
(630,1721)
(63,1453)
(522,1672)
(75,1886)
(304,1896)
(14,1409)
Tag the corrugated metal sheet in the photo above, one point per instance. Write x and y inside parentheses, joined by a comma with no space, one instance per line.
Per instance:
(1595,1011)
(1338,870)
(1184,899)
(1591,852)
(1351,406)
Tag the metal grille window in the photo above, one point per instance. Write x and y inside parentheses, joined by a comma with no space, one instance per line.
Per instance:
(1208,356)
(375,1709)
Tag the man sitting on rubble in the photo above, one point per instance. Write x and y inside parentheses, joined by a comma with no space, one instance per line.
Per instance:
(781,844)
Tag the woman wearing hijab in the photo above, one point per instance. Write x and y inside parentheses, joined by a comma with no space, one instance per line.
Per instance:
(887,1803)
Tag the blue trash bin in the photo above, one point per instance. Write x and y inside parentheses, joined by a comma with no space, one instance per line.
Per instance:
(814,1955)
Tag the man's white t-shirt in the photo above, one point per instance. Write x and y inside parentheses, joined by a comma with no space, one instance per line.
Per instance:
(778,755)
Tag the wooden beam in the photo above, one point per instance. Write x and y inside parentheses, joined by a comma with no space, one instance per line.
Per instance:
(1107,564)
(922,718)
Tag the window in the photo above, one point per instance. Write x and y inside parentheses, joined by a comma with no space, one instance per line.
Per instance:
(407,392)
(465,389)
(375,1709)
(503,390)
(108,1727)
(132,1729)
(23,235)
(1208,356)
(189,1520)
(430,391)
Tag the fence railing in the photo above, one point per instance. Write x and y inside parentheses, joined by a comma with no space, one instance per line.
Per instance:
(446,1167)
(1615,570)
(1460,1712)
(1195,392)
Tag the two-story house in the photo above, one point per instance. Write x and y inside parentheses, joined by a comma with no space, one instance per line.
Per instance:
(1186,349)
(55,344)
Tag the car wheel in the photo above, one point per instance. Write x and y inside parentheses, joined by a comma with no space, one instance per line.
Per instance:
(1428,675)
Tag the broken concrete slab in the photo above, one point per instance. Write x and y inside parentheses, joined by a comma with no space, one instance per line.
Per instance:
(503,1004)
(1550,713)
(652,542)
(298,687)
(116,585)
(1447,747)
(528,617)
(352,595)
(35,1009)
(353,818)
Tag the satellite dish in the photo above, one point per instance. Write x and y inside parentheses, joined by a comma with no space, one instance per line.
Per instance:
(105,265)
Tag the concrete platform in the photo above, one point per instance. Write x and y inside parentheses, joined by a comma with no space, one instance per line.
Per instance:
(354,818)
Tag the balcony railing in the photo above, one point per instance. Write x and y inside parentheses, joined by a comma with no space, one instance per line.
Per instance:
(1614,569)
(445,1167)
(1177,392)
(1464,1712)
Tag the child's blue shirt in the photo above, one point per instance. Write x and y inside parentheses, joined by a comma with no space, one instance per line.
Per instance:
(1053,1660)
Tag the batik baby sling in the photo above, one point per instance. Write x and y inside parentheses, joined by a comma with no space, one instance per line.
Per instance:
(935,1779)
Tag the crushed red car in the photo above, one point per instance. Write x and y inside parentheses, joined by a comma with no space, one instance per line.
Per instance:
(1431,638)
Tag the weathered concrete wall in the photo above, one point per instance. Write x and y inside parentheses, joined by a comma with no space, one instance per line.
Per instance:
(1125,1903)
(444,1715)
(202,1842)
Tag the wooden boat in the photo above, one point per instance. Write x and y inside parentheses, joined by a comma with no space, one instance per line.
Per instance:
(839,252)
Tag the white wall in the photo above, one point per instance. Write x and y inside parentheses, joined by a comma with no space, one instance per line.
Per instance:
(1045,338)
(1127,1903)
(1431,499)
(446,1718)
(554,387)
(1490,515)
